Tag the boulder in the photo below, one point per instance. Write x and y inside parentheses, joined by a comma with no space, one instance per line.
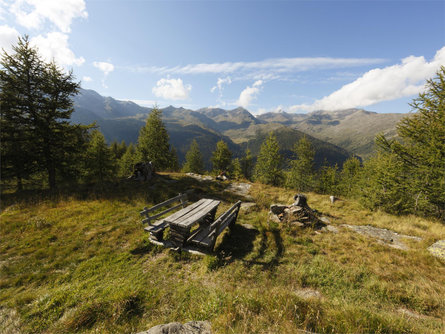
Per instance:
(278,208)
(192,327)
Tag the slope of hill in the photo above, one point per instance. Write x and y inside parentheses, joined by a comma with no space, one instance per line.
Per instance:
(82,263)
(288,137)
(352,129)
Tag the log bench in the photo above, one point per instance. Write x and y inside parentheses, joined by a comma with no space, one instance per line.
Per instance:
(206,236)
(157,227)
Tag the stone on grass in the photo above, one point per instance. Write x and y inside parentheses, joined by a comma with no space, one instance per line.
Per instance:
(192,327)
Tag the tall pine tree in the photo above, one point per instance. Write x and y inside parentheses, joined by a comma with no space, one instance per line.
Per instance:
(153,142)
(301,174)
(421,148)
(221,157)
(268,166)
(36,104)
(193,159)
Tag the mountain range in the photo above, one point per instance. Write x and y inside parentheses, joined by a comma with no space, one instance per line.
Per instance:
(335,135)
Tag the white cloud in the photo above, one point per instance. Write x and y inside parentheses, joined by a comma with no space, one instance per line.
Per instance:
(87,79)
(8,37)
(249,93)
(104,67)
(33,14)
(172,89)
(55,46)
(381,84)
(220,83)
(264,69)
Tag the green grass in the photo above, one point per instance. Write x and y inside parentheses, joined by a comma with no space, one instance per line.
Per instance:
(80,262)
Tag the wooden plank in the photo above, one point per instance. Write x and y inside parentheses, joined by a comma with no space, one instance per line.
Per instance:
(164,212)
(185,218)
(180,213)
(197,214)
(160,205)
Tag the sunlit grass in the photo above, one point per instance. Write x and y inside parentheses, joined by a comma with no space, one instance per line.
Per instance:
(80,262)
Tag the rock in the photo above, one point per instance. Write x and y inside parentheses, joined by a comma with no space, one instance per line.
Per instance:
(192,327)
(274,218)
(296,224)
(438,249)
(300,200)
(247,206)
(330,228)
(333,199)
(384,236)
(325,220)
(277,208)
(240,189)
(308,294)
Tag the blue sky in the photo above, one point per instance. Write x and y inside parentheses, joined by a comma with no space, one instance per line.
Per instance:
(296,56)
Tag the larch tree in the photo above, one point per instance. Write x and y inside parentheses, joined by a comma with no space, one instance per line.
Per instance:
(301,174)
(268,166)
(421,148)
(221,157)
(193,159)
(153,142)
(36,105)
(99,160)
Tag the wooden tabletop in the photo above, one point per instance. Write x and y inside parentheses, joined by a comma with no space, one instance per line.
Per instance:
(193,213)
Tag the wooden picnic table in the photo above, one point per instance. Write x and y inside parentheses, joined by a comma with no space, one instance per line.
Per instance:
(181,222)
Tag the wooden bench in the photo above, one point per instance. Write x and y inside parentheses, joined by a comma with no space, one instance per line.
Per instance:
(206,236)
(157,227)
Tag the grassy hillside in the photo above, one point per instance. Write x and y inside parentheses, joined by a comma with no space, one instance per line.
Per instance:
(287,138)
(80,262)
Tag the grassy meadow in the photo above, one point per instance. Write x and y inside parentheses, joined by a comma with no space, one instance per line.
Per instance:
(80,262)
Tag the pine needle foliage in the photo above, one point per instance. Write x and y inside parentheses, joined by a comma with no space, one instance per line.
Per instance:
(193,159)
(153,142)
(268,166)
(221,157)
(421,150)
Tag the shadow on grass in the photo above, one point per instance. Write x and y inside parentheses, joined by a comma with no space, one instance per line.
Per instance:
(236,244)
(278,240)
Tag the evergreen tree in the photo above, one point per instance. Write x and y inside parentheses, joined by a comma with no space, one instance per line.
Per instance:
(21,84)
(221,157)
(127,161)
(328,180)
(268,166)
(301,174)
(247,165)
(118,149)
(60,143)
(36,104)
(153,142)
(193,159)
(99,162)
(383,184)
(421,150)
(174,163)
(237,172)
(349,175)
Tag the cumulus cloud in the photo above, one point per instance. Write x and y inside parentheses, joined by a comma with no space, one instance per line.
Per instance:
(381,84)
(8,37)
(55,47)
(105,67)
(172,89)
(33,14)
(87,79)
(249,94)
(220,83)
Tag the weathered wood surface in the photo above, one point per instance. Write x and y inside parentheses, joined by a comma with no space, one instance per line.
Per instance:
(206,236)
(157,228)
(187,217)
